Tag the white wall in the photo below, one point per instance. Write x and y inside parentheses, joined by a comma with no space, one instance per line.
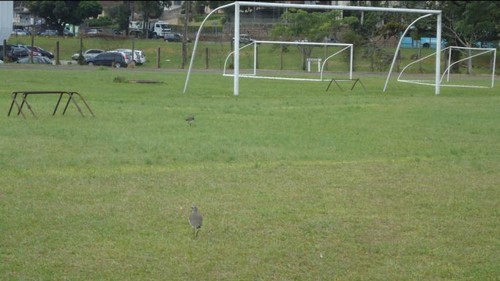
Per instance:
(6,19)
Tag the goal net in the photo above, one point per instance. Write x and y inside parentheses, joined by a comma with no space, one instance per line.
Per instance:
(285,60)
(459,64)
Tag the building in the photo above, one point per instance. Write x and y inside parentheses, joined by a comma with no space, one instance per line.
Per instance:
(6,19)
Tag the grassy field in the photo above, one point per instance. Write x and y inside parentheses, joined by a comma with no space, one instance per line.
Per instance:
(294,183)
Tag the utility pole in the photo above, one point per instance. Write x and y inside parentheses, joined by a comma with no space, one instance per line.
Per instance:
(184,37)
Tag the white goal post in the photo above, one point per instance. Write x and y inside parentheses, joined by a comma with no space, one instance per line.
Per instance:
(239,4)
(321,63)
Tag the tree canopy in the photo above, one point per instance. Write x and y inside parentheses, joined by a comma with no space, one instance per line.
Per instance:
(153,9)
(469,22)
(121,16)
(302,25)
(59,13)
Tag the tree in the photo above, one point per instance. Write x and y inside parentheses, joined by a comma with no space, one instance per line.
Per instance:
(467,23)
(300,25)
(152,9)
(121,16)
(187,14)
(59,13)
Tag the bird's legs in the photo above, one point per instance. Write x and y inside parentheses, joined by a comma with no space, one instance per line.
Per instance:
(195,232)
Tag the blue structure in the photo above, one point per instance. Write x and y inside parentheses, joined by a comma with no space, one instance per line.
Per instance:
(424,42)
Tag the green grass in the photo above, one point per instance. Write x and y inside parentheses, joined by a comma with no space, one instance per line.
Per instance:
(294,183)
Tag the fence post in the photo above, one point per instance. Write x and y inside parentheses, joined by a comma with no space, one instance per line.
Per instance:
(206,58)
(32,44)
(4,50)
(281,56)
(58,62)
(158,58)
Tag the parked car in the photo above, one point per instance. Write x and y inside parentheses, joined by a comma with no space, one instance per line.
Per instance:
(41,51)
(245,39)
(68,33)
(19,32)
(114,59)
(126,54)
(94,32)
(48,32)
(87,54)
(14,52)
(28,48)
(36,51)
(139,57)
(18,52)
(33,51)
(36,60)
(174,37)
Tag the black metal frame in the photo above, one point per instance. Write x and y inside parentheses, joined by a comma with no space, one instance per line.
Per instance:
(356,81)
(25,94)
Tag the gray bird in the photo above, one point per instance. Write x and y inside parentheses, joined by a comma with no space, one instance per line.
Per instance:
(190,119)
(196,220)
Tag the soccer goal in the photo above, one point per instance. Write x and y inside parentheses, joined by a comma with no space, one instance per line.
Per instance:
(237,9)
(484,55)
(300,61)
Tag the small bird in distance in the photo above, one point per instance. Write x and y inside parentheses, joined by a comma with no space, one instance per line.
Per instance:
(195,220)
(189,119)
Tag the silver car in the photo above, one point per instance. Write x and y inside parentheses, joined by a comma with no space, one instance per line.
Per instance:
(139,57)
(90,53)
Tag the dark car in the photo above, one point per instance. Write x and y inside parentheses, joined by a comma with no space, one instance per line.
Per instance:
(37,51)
(174,37)
(14,52)
(68,33)
(114,59)
(41,51)
(245,39)
(35,60)
(48,32)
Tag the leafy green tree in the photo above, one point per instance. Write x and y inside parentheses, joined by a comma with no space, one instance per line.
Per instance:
(59,13)
(121,16)
(466,23)
(300,25)
(152,9)
(469,22)
(100,22)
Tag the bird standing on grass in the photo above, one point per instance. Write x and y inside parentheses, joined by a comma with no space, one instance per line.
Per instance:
(196,220)
(190,119)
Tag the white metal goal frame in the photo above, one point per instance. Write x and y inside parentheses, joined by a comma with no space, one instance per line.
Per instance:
(256,43)
(446,72)
(238,4)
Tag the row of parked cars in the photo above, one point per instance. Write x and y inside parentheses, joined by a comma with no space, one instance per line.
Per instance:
(33,54)
(46,32)
(116,58)
(21,54)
